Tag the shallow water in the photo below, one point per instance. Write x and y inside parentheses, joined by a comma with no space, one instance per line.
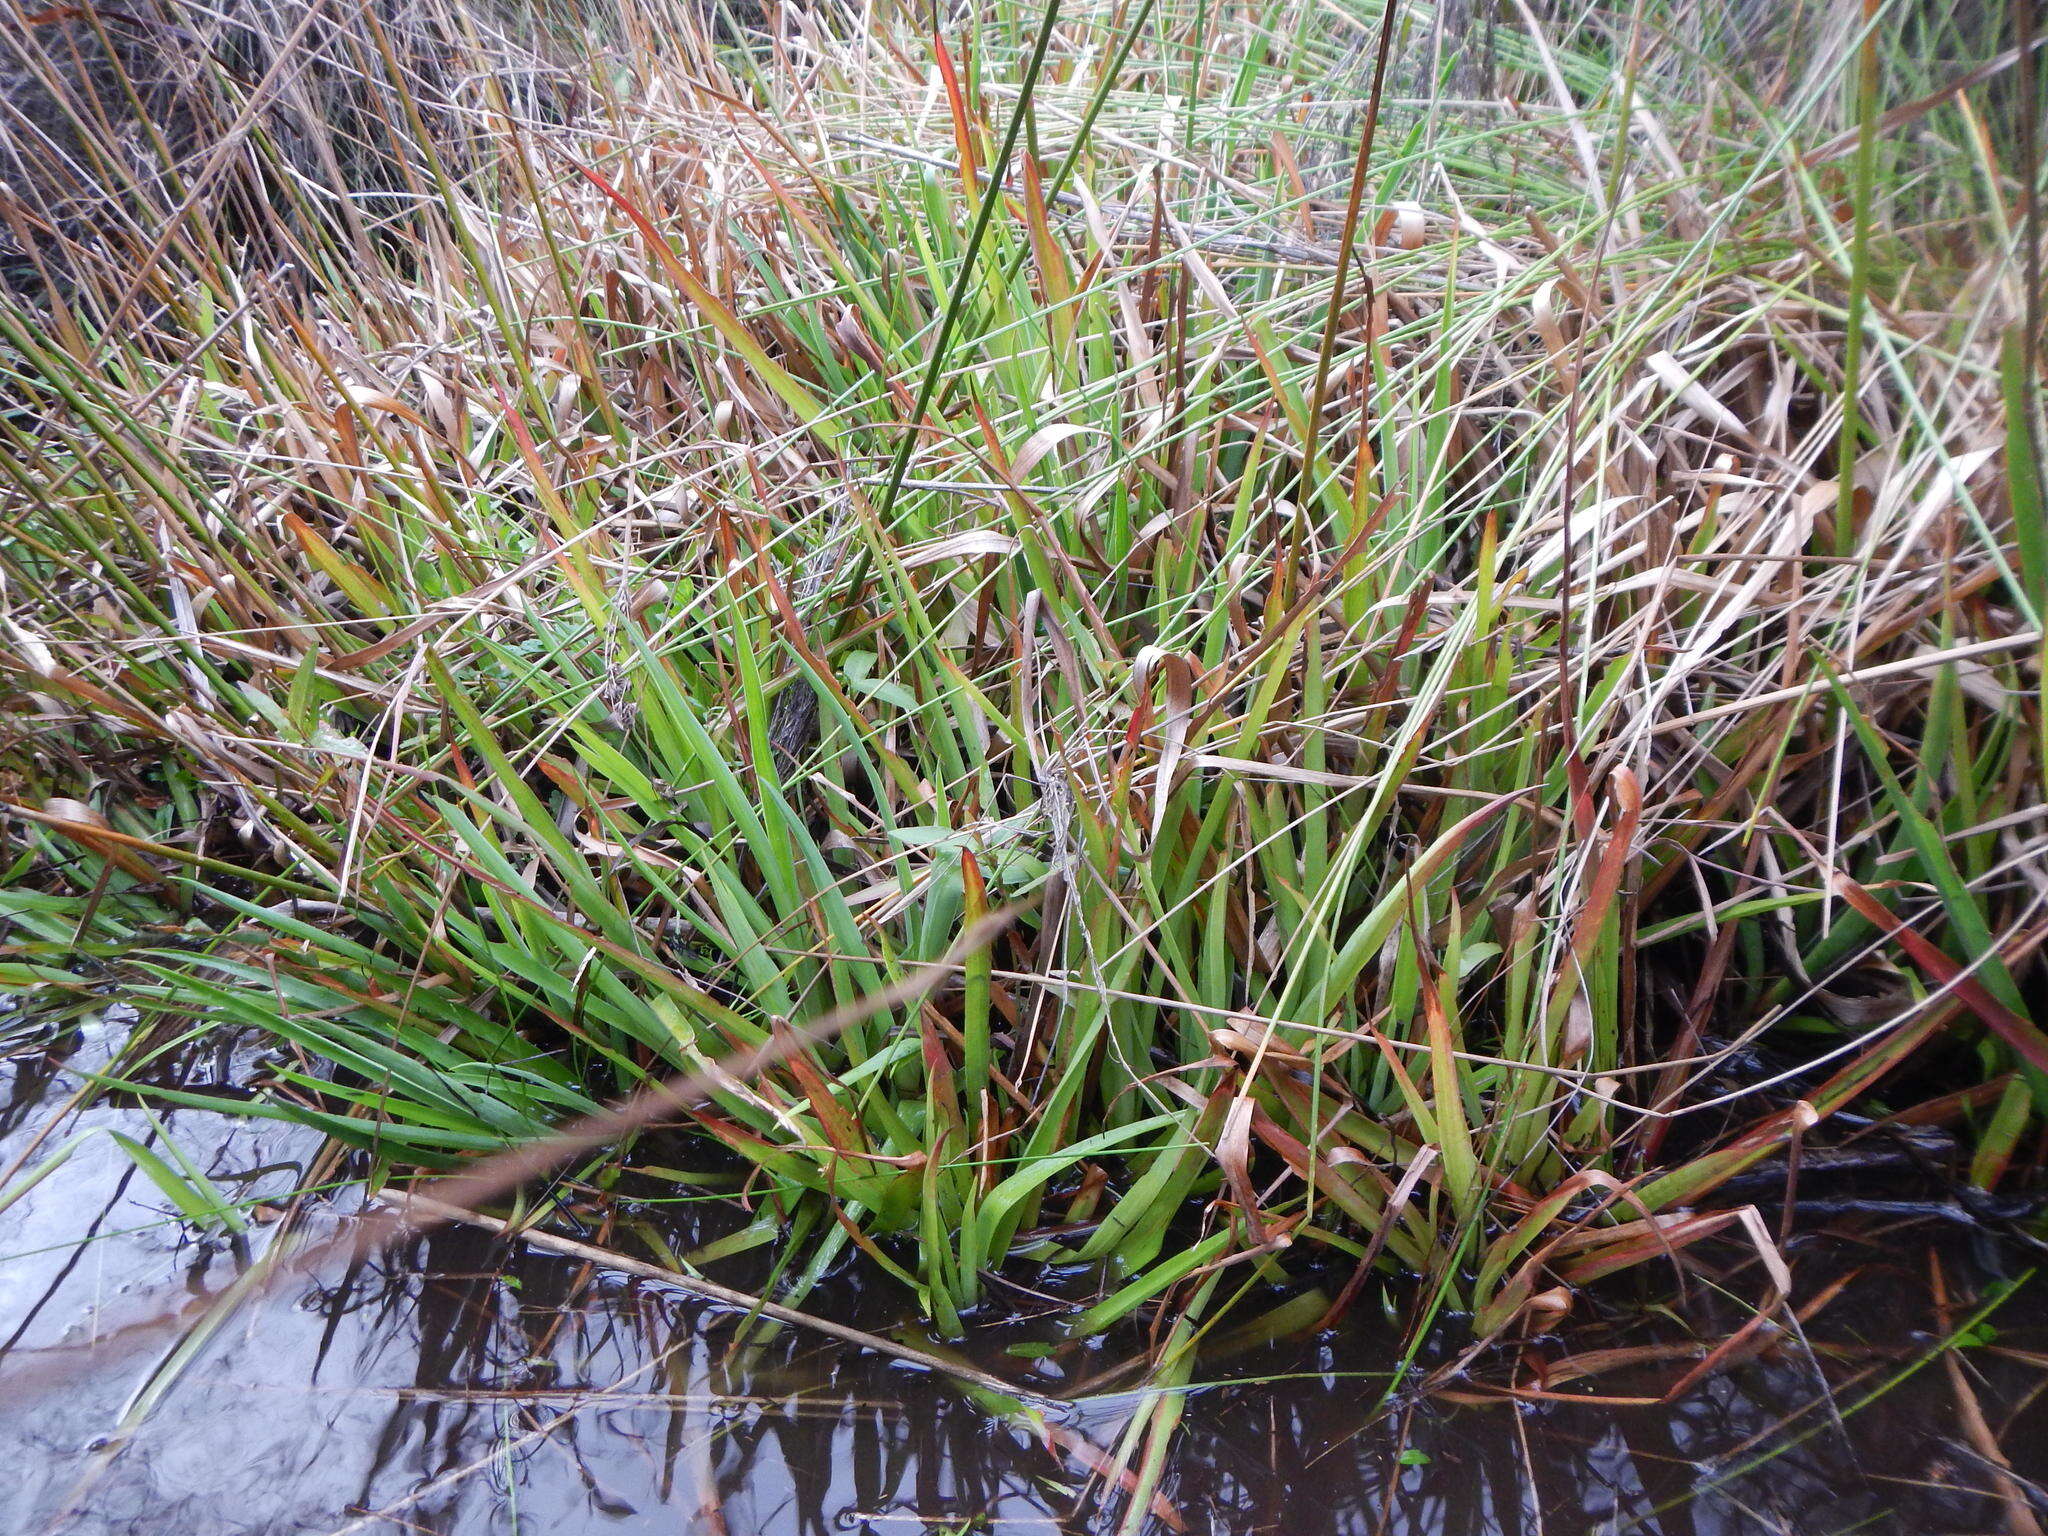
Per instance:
(458,1387)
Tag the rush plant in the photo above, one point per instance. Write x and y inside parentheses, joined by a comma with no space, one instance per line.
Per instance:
(1490,642)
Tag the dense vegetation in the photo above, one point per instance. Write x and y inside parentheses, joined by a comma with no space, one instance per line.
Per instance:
(1368,669)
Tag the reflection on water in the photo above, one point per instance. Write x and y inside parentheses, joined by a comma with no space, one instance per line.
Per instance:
(459,1387)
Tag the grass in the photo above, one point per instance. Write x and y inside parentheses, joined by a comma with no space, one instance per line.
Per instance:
(1500,684)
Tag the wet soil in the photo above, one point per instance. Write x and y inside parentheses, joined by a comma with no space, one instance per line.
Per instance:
(463,1385)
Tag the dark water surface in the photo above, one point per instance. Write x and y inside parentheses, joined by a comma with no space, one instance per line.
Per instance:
(456,1386)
